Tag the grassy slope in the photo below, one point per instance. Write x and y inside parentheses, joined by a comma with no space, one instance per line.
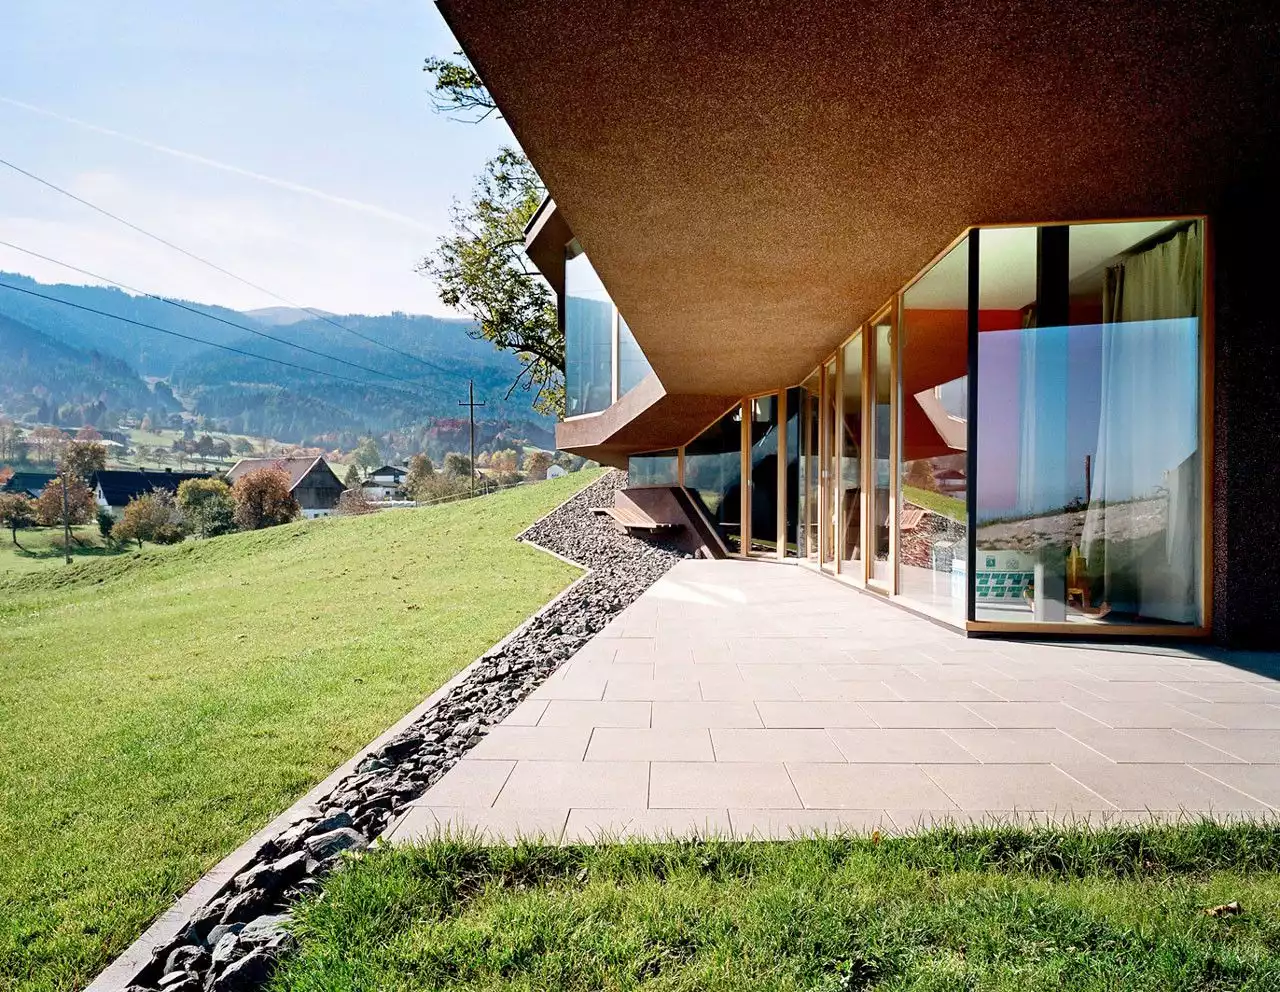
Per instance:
(41,548)
(157,708)
(990,910)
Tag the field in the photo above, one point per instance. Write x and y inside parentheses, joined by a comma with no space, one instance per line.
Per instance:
(160,706)
(987,909)
(41,548)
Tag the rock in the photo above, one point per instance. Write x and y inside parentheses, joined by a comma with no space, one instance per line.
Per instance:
(171,979)
(334,842)
(188,957)
(258,877)
(226,951)
(204,920)
(247,905)
(265,928)
(291,867)
(221,930)
(333,820)
(245,975)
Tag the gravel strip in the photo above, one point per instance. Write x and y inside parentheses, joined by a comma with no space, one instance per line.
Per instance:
(231,943)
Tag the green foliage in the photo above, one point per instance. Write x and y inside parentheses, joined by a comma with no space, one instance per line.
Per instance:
(105,522)
(150,517)
(189,699)
(207,506)
(16,510)
(457,465)
(80,459)
(352,480)
(481,269)
(367,455)
(987,908)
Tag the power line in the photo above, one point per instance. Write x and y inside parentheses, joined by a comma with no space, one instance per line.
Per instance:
(202,313)
(226,272)
(185,337)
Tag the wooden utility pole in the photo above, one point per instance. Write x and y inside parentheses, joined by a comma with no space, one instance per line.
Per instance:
(471,405)
(66,519)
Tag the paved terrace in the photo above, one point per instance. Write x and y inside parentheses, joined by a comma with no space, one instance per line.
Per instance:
(758,699)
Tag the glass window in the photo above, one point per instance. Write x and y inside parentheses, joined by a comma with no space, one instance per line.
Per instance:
(795,408)
(849,447)
(588,337)
(656,468)
(764,474)
(807,490)
(933,440)
(881,467)
(1089,477)
(632,365)
(713,473)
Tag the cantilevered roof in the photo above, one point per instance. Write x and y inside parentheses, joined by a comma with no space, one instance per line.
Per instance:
(751,180)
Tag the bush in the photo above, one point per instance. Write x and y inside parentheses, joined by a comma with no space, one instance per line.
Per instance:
(263,499)
(150,517)
(207,506)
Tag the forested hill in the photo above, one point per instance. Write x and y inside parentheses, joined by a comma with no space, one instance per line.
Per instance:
(418,378)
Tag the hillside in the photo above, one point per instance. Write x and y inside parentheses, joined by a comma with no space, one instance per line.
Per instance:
(247,395)
(196,691)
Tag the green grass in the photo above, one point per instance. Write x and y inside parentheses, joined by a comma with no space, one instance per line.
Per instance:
(988,909)
(41,548)
(159,707)
(940,503)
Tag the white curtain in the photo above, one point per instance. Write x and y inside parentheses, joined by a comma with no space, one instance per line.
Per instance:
(1142,527)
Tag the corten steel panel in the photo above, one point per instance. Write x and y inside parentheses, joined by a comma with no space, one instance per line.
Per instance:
(753,179)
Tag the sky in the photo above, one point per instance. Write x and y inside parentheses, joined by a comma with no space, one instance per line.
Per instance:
(292,142)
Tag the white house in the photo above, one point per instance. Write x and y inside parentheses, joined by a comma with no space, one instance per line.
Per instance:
(384,483)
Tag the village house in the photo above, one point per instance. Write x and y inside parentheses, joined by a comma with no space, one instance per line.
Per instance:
(28,483)
(311,481)
(114,488)
(384,483)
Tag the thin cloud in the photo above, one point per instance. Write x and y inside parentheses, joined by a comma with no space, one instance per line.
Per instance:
(319,194)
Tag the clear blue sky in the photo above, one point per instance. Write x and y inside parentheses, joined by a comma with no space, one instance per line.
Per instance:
(324,94)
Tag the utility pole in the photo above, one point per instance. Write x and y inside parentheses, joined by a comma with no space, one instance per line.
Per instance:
(66,519)
(471,405)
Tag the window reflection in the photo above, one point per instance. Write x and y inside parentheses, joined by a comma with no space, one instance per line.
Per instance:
(656,468)
(632,365)
(713,473)
(588,337)
(1089,498)
(764,474)
(932,533)
(850,451)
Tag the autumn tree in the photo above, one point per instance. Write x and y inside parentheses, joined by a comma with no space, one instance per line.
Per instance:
(367,454)
(150,517)
(81,458)
(421,474)
(88,433)
(481,268)
(536,464)
(81,504)
(505,462)
(207,506)
(11,440)
(354,503)
(47,443)
(16,510)
(263,499)
(457,465)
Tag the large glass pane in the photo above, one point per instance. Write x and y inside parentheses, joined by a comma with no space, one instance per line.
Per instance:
(795,408)
(809,466)
(632,365)
(932,511)
(764,474)
(881,467)
(588,337)
(713,473)
(656,468)
(1089,476)
(850,451)
(831,416)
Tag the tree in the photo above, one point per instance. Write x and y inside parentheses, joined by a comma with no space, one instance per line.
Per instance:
(505,462)
(207,506)
(367,454)
(16,510)
(47,443)
(205,447)
(81,504)
(242,446)
(457,465)
(421,474)
(88,433)
(482,268)
(11,438)
(81,458)
(352,480)
(146,424)
(354,503)
(150,517)
(263,499)
(536,464)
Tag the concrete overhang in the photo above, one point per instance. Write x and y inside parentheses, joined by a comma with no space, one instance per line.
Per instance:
(753,180)
(545,237)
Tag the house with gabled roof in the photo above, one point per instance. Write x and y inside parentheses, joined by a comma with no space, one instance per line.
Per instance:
(312,482)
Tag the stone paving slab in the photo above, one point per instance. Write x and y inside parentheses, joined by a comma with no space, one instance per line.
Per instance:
(751,699)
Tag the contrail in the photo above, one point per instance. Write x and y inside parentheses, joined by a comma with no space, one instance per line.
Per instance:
(319,194)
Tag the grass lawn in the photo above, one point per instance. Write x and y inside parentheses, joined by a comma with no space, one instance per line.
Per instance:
(985,909)
(41,548)
(159,707)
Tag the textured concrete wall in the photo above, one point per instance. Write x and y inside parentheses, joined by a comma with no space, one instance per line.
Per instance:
(1246,518)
